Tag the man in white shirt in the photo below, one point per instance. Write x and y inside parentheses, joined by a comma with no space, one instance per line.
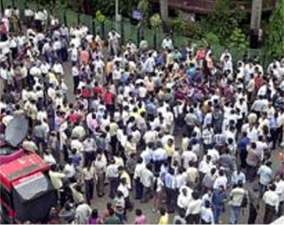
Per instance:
(194,209)
(206,215)
(188,156)
(167,43)
(279,182)
(184,198)
(271,200)
(237,196)
(112,175)
(221,180)
(238,176)
(82,214)
(265,174)
(147,179)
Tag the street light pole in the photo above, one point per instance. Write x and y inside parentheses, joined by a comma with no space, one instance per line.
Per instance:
(255,23)
(256,11)
(117,16)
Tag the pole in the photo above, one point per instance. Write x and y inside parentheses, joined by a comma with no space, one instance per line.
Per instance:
(117,15)
(255,22)
(116,10)
(65,17)
(164,9)
(122,31)
(256,11)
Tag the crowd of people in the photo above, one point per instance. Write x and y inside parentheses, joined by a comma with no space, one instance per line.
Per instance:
(189,134)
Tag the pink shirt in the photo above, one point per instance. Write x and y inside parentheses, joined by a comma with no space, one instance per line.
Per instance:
(140,219)
(84,57)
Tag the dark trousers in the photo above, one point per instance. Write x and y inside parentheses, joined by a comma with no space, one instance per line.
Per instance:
(274,137)
(251,173)
(243,156)
(100,184)
(171,199)
(269,214)
(113,182)
(193,219)
(89,189)
(76,80)
(252,214)
(138,189)
(89,157)
(281,208)
(113,143)
(147,194)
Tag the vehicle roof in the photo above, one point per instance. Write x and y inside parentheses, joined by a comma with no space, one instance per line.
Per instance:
(23,166)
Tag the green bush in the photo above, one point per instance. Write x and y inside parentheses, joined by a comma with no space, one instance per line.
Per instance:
(238,40)
(212,39)
(155,21)
(274,43)
(100,17)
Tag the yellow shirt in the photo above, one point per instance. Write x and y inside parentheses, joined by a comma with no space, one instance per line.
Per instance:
(127,177)
(170,150)
(164,219)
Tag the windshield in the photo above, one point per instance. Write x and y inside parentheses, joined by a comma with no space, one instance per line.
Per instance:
(32,187)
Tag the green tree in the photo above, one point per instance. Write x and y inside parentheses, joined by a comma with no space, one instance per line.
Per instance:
(224,17)
(143,6)
(238,40)
(274,43)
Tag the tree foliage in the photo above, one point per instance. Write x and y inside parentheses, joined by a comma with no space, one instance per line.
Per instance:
(238,40)
(224,17)
(155,21)
(275,33)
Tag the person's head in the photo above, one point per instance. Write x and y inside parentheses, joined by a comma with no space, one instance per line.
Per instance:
(163,211)
(184,191)
(207,204)
(240,184)
(268,163)
(138,212)
(111,211)
(119,194)
(272,187)
(123,181)
(94,213)
(109,205)
(195,195)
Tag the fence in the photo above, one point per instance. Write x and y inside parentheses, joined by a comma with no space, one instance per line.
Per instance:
(127,30)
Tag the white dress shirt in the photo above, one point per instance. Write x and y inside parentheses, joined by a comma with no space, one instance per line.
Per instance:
(271,198)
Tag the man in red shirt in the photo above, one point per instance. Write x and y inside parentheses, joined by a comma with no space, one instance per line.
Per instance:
(108,99)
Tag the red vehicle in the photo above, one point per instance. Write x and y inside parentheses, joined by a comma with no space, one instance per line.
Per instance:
(26,193)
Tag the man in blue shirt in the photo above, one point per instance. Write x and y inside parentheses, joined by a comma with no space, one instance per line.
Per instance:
(243,144)
(218,203)
(170,190)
